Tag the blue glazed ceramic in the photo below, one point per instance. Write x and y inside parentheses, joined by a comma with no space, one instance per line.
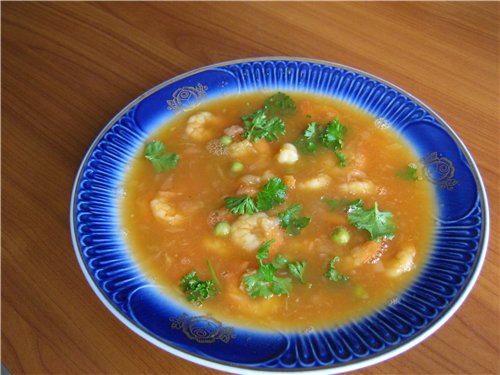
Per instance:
(447,278)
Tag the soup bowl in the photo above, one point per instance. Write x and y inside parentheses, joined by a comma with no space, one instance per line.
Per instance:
(448,275)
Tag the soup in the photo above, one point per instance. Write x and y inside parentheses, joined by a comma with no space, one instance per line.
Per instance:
(278,211)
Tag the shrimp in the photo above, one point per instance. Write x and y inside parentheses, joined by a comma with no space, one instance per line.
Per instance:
(364,187)
(320,181)
(288,154)
(367,253)
(402,262)
(250,184)
(164,211)
(251,231)
(241,149)
(198,126)
(234,130)
(256,155)
(238,299)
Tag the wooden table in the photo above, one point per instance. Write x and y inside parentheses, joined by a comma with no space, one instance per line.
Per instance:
(67,68)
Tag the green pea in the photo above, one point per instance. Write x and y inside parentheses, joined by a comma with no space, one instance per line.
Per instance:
(237,167)
(341,235)
(222,229)
(226,140)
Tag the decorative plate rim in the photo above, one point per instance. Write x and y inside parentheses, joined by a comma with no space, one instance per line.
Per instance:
(359,363)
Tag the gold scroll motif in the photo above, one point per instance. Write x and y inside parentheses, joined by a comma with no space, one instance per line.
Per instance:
(203,329)
(187,98)
(440,171)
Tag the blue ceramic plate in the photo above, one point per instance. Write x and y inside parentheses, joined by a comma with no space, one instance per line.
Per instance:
(447,278)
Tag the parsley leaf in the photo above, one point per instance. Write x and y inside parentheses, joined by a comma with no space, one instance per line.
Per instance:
(297,269)
(272,194)
(212,272)
(196,290)
(340,203)
(265,123)
(291,221)
(280,104)
(264,282)
(410,173)
(257,285)
(332,136)
(311,130)
(240,205)
(280,261)
(307,143)
(282,285)
(341,158)
(378,224)
(263,251)
(334,275)
(258,126)
(156,152)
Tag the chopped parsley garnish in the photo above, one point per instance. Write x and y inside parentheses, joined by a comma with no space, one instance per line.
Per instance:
(341,159)
(258,126)
(272,194)
(330,136)
(212,272)
(297,269)
(265,123)
(335,204)
(378,223)
(280,104)
(308,142)
(410,173)
(311,131)
(334,275)
(240,205)
(280,261)
(264,282)
(196,290)
(156,153)
(291,221)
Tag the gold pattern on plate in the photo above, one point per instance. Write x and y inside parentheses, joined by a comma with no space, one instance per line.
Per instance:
(440,171)
(202,329)
(187,97)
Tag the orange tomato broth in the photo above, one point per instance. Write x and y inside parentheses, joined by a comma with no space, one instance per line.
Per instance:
(166,252)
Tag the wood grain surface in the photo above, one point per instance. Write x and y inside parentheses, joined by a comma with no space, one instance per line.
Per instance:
(68,68)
